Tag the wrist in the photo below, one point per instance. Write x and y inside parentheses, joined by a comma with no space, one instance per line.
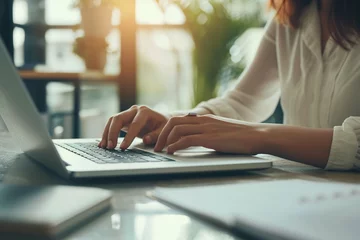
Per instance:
(199,111)
(266,139)
(306,145)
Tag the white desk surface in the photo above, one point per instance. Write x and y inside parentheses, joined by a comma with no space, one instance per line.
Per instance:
(134,216)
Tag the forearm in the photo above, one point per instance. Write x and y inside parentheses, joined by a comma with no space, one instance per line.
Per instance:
(304,145)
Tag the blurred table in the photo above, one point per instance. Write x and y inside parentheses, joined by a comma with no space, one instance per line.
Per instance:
(37,81)
(134,216)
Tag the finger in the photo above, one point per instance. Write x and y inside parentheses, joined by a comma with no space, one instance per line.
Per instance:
(152,137)
(169,126)
(117,123)
(137,124)
(183,130)
(103,142)
(186,142)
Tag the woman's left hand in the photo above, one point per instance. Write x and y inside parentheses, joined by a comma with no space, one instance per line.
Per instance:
(220,134)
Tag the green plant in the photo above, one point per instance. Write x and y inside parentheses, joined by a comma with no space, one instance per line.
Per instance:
(92,51)
(81,45)
(214,25)
(96,16)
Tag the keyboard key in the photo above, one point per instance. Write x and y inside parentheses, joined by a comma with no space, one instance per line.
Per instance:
(98,155)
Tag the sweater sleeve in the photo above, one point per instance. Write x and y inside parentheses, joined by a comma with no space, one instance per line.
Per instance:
(345,147)
(257,92)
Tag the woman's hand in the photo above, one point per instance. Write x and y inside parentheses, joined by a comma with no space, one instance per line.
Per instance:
(139,121)
(220,134)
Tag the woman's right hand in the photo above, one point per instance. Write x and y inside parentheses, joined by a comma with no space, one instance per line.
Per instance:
(139,121)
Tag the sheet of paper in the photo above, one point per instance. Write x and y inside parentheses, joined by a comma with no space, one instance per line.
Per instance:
(293,209)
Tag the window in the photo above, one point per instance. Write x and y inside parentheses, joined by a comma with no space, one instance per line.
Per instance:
(55,11)
(46,30)
(19,38)
(165,68)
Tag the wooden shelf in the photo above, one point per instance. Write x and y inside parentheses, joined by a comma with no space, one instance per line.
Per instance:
(75,26)
(68,77)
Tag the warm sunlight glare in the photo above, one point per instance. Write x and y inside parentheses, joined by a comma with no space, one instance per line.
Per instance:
(148,12)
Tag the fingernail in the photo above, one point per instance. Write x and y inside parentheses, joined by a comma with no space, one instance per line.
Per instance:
(147,139)
(123,145)
(110,144)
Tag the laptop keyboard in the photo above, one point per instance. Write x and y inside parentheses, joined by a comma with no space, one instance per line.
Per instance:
(93,153)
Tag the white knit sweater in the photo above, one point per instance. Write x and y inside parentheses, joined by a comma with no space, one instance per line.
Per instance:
(317,90)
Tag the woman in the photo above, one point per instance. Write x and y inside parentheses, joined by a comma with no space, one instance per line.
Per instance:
(310,57)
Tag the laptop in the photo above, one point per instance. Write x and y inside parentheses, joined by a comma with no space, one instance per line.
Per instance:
(81,158)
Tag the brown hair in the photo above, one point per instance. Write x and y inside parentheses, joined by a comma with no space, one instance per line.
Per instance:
(344,17)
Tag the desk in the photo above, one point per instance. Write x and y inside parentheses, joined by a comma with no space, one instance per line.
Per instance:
(134,216)
(42,78)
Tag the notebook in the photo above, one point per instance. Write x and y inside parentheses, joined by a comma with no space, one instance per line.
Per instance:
(48,210)
(288,209)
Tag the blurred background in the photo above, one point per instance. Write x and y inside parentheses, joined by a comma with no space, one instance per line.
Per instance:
(85,60)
